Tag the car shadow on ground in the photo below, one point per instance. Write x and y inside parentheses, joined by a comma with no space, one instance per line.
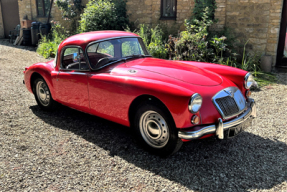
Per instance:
(243,163)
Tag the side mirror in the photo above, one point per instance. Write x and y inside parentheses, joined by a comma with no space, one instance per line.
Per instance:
(76,57)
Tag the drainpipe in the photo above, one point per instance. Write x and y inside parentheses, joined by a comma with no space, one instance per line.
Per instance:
(50,11)
(31,10)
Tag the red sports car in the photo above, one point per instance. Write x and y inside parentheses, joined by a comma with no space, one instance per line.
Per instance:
(110,74)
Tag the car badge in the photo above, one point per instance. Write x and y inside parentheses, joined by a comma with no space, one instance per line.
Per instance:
(132,71)
(229,93)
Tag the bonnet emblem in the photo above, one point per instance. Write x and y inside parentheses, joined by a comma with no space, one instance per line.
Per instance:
(229,93)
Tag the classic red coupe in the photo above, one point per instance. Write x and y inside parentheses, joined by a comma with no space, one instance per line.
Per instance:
(110,74)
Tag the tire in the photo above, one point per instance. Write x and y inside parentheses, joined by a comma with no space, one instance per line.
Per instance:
(43,95)
(155,130)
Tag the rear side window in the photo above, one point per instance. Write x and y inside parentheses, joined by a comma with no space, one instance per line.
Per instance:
(130,47)
(73,59)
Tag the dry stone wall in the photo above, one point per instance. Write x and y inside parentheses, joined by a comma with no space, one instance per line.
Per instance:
(148,12)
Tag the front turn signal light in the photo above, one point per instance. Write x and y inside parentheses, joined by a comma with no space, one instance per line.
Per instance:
(248,93)
(195,120)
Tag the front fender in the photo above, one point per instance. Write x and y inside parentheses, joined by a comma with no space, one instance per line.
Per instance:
(45,71)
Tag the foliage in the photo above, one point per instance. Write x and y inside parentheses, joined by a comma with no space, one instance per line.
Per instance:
(200,6)
(154,40)
(48,45)
(231,41)
(70,10)
(264,79)
(104,15)
(195,43)
(251,62)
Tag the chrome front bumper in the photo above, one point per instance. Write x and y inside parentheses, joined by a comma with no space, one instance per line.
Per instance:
(220,127)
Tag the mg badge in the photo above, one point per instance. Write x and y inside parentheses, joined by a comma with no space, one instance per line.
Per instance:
(229,93)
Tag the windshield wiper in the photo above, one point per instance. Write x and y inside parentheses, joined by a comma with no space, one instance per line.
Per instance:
(136,56)
(112,60)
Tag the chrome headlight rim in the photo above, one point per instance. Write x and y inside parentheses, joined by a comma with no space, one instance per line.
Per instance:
(195,107)
(247,80)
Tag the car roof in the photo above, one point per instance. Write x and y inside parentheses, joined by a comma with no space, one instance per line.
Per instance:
(83,39)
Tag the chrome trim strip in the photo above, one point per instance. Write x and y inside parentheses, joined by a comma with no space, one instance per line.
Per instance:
(75,73)
(211,129)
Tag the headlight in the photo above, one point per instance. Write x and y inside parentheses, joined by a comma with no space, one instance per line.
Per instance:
(249,81)
(195,103)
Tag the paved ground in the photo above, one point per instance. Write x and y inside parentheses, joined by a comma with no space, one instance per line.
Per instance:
(69,151)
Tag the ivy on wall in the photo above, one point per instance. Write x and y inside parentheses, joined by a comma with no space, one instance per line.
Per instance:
(200,6)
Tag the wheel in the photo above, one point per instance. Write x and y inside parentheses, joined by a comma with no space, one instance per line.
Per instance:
(43,95)
(155,130)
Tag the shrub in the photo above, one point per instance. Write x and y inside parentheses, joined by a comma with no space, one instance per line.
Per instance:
(104,15)
(48,45)
(154,40)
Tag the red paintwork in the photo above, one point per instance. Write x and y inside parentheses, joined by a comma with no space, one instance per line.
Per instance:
(108,93)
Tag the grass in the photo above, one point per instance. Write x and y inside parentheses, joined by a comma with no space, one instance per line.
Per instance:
(264,79)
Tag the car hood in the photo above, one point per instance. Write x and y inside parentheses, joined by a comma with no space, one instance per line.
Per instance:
(177,70)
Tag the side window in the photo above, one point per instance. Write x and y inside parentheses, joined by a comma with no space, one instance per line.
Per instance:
(98,51)
(107,48)
(131,48)
(74,59)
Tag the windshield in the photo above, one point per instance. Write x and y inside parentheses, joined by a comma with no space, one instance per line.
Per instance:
(106,52)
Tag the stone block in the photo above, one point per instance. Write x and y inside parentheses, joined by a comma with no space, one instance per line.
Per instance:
(261,30)
(271,48)
(274,30)
(232,13)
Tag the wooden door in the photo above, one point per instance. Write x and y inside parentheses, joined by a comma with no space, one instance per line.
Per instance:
(10,15)
(281,60)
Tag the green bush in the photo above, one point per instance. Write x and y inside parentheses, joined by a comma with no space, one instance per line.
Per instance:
(195,43)
(48,45)
(104,15)
(154,40)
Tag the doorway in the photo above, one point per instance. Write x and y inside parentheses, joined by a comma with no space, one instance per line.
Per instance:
(10,15)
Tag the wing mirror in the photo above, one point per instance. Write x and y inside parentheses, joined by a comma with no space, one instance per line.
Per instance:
(76,57)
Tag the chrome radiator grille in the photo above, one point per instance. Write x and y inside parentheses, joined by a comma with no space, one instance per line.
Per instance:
(227,105)
(229,102)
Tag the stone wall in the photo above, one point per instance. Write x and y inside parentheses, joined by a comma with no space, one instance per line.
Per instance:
(255,20)
(1,24)
(148,12)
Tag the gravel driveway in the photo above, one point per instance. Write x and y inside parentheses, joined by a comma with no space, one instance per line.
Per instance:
(67,150)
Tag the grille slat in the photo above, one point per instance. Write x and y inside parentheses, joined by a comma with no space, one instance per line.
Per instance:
(227,105)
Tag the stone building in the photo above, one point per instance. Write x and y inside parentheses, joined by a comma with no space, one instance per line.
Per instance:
(262,22)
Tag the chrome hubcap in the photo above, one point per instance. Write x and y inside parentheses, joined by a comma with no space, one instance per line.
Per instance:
(154,129)
(43,93)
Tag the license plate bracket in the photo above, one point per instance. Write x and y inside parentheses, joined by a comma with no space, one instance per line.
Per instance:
(234,131)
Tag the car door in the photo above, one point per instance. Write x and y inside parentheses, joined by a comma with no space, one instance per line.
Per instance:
(72,82)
